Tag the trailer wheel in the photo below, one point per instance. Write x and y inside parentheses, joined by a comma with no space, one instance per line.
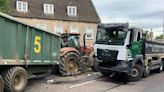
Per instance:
(147,70)
(70,64)
(160,67)
(136,73)
(15,79)
(1,84)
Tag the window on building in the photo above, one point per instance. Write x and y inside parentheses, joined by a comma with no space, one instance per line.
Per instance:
(48,8)
(22,6)
(42,26)
(89,33)
(58,29)
(74,29)
(72,10)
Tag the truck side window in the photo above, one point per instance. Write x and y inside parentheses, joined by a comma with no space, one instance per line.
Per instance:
(139,36)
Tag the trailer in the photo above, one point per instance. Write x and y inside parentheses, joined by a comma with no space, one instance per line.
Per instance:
(25,51)
(120,49)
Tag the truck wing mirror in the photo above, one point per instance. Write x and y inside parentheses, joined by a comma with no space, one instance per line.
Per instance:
(128,46)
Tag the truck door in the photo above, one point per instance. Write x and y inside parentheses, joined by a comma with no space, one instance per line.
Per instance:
(136,42)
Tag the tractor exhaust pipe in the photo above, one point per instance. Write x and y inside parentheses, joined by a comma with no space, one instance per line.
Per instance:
(84,42)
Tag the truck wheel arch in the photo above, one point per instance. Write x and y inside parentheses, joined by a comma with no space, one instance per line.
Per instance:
(138,60)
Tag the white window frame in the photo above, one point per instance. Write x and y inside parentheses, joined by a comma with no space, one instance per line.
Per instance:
(21,8)
(89,30)
(72,29)
(48,10)
(61,30)
(72,10)
(42,26)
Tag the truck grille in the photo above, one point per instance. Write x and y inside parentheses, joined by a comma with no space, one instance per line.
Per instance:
(107,55)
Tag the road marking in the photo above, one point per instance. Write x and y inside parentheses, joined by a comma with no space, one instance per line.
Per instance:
(84,83)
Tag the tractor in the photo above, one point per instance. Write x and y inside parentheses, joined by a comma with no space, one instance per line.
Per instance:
(73,56)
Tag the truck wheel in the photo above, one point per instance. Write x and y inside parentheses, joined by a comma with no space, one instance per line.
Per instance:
(160,67)
(15,79)
(136,73)
(147,70)
(70,64)
(1,84)
(105,73)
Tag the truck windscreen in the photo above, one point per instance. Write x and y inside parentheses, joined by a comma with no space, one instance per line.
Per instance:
(111,36)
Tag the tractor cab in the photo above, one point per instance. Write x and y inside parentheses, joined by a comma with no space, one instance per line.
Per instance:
(70,40)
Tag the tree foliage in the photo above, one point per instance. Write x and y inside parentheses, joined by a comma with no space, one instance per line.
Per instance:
(4,6)
(159,37)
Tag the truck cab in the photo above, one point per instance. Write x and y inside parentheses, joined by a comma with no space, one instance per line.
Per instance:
(120,49)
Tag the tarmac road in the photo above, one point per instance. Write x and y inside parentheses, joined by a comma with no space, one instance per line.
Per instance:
(95,82)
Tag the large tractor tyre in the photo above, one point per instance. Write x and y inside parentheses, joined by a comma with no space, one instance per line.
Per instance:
(15,79)
(1,84)
(70,64)
(92,62)
(147,70)
(160,67)
(106,73)
(136,73)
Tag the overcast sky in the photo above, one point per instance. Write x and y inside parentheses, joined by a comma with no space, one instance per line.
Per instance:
(145,14)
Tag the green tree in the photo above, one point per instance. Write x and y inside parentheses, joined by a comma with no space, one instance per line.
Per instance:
(159,37)
(4,6)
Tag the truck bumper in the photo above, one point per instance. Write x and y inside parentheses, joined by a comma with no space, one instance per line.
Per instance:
(122,67)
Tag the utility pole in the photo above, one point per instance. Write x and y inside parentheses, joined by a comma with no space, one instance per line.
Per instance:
(151,34)
(163,29)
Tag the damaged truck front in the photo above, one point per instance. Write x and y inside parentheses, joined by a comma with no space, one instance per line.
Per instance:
(124,50)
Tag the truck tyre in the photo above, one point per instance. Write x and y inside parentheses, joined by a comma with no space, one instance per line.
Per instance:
(1,84)
(136,73)
(70,64)
(15,79)
(105,73)
(147,70)
(160,67)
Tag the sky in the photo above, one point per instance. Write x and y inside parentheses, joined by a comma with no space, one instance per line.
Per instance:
(145,14)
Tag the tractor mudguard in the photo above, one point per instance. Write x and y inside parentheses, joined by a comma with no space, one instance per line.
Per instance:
(65,50)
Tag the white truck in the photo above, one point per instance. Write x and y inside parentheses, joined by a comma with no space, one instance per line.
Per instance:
(128,51)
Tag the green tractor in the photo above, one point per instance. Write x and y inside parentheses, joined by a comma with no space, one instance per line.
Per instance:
(73,56)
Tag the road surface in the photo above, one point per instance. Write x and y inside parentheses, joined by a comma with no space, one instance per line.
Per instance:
(95,82)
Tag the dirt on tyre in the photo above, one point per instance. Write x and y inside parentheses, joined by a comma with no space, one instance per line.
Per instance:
(15,79)
(1,84)
(70,64)
(147,70)
(135,74)
(92,61)
(160,69)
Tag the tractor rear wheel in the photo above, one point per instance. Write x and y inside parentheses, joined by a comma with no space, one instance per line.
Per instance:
(1,84)
(70,64)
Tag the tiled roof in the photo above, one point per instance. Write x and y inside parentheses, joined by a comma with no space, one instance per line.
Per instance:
(86,11)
